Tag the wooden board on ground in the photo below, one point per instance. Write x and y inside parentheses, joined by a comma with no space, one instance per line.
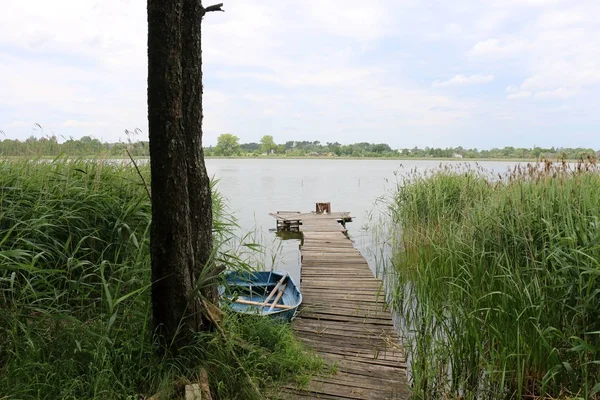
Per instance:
(344,317)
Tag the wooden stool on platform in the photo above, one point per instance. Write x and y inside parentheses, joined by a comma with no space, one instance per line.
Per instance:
(323,208)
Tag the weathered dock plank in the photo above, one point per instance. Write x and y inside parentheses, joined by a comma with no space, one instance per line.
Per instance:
(344,316)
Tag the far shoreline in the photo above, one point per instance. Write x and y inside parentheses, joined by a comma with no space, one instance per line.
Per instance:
(274,157)
(381,158)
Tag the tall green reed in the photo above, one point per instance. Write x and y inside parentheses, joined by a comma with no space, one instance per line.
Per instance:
(75,306)
(498,280)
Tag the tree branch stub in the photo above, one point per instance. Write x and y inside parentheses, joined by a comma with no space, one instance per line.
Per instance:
(215,7)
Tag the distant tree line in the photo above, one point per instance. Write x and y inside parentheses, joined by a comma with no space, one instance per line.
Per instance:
(502,153)
(228,145)
(48,146)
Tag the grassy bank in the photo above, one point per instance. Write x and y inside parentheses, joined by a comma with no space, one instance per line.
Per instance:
(75,295)
(498,281)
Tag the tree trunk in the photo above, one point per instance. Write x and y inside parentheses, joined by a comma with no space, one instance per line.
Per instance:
(199,183)
(181,231)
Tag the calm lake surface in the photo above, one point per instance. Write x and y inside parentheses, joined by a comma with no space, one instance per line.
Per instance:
(255,187)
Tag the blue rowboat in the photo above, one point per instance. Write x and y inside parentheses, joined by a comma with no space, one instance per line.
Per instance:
(274,293)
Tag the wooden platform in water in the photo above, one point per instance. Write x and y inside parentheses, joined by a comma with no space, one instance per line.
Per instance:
(345,318)
(293,220)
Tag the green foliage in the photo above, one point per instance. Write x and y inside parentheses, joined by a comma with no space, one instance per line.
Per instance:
(227,145)
(42,145)
(508,152)
(498,281)
(250,147)
(75,310)
(268,351)
(267,144)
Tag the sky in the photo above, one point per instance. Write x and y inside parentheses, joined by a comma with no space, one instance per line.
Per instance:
(471,73)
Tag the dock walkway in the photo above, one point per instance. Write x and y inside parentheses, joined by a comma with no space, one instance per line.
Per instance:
(344,317)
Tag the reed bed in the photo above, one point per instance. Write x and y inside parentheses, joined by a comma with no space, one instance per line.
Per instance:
(497,280)
(75,304)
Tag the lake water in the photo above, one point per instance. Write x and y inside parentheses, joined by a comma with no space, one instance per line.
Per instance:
(255,187)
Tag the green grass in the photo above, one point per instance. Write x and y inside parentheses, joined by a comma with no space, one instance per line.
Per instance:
(75,304)
(498,281)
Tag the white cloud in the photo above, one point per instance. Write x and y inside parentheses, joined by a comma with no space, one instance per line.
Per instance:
(529,3)
(550,49)
(494,48)
(454,28)
(79,29)
(559,93)
(560,19)
(18,124)
(359,20)
(82,124)
(491,20)
(306,75)
(462,80)
(519,95)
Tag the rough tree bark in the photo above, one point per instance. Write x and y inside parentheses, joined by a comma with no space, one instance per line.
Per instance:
(181,231)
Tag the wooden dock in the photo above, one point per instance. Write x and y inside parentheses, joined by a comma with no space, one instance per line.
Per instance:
(330,222)
(344,317)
